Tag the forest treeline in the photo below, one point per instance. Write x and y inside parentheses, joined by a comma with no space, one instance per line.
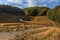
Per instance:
(13,14)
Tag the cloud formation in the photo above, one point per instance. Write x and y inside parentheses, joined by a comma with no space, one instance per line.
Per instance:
(15,1)
(30,3)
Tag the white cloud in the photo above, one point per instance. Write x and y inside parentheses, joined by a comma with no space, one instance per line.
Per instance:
(42,0)
(15,1)
(42,5)
(35,2)
(31,3)
(51,1)
(5,3)
(48,1)
(1,3)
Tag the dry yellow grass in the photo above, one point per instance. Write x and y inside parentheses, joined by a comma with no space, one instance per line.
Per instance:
(41,20)
(38,19)
(49,32)
(52,33)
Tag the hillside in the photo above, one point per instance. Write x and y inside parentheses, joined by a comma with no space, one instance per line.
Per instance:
(7,17)
(33,23)
(40,20)
(36,11)
(10,14)
(11,10)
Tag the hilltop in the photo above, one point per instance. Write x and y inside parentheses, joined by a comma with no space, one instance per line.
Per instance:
(14,14)
(10,13)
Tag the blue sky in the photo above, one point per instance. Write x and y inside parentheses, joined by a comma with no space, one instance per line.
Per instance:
(31,3)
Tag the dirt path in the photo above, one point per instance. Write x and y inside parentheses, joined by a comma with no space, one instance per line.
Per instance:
(11,35)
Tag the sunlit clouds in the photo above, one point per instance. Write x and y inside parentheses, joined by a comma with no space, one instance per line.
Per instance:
(31,3)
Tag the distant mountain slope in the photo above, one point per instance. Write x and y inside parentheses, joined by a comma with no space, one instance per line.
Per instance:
(6,17)
(36,11)
(10,14)
(11,10)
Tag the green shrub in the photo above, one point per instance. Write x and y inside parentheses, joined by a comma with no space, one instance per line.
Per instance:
(57,13)
(50,15)
(36,11)
(33,12)
(54,14)
(43,11)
